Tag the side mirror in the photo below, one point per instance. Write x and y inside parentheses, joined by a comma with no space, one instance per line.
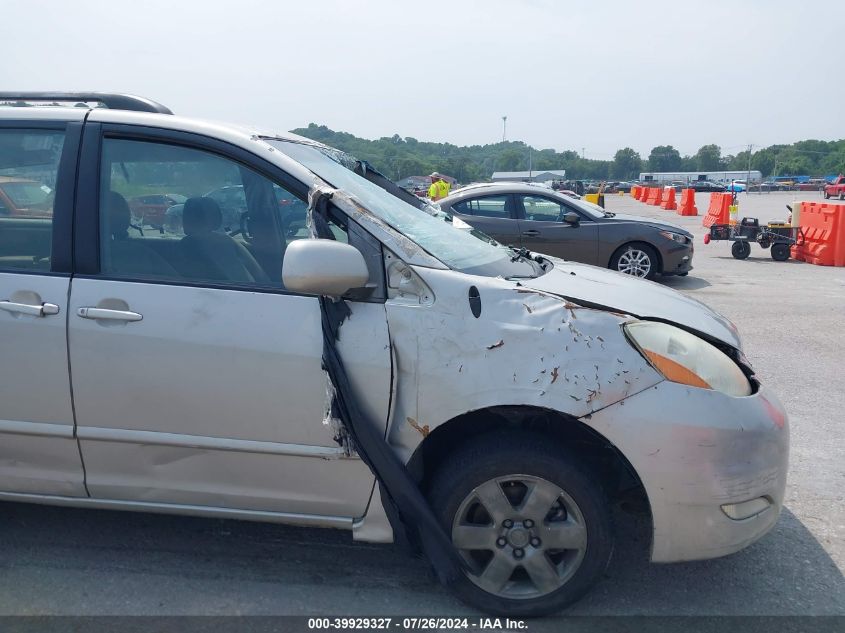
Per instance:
(323,267)
(572,218)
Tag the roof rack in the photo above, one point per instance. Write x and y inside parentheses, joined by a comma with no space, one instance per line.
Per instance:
(110,100)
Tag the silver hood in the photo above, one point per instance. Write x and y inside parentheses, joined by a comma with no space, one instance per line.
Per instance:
(607,289)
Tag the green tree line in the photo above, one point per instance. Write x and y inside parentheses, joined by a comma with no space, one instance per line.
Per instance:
(399,157)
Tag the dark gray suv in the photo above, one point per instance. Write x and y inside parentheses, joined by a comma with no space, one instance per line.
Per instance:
(542,220)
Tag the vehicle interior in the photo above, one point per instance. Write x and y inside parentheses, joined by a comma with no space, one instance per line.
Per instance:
(27,191)
(233,226)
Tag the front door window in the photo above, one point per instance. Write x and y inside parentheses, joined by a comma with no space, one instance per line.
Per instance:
(542,209)
(179,214)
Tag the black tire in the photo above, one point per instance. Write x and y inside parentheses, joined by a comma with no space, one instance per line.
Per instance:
(741,250)
(500,459)
(826,196)
(618,261)
(842,196)
(780,252)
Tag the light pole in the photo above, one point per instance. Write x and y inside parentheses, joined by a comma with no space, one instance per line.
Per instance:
(504,127)
(748,174)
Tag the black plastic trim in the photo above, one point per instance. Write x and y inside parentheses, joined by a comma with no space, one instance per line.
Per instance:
(61,258)
(86,227)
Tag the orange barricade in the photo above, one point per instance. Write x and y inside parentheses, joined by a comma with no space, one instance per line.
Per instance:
(669,200)
(719,210)
(643,194)
(654,196)
(634,192)
(823,225)
(687,206)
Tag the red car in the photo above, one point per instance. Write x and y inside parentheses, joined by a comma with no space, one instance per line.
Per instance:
(21,197)
(150,209)
(836,189)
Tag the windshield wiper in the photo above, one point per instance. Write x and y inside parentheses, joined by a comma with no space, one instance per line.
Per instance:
(523,254)
(520,253)
(609,214)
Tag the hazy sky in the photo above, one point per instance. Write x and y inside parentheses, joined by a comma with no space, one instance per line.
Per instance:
(593,74)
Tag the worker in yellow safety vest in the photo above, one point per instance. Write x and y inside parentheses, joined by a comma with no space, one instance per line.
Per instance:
(439,188)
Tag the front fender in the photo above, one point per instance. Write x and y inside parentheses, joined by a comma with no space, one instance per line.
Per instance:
(526,347)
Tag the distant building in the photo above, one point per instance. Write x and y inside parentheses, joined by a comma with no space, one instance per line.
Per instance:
(692,176)
(529,176)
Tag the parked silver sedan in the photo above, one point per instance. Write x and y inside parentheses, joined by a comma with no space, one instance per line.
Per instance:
(542,220)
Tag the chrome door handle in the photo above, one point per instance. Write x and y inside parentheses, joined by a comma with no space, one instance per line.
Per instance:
(27,308)
(108,315)
(531,232)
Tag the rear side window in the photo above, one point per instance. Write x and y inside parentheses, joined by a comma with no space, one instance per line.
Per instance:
(488,207)
(175,213)
(29,163)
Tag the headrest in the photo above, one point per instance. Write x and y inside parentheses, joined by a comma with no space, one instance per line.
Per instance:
(201,215)
(119,215)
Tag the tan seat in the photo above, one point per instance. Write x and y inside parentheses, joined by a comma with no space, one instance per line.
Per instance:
(211,254)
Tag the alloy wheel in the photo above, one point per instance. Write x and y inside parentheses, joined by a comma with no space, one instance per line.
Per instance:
(522,536)
(634,262)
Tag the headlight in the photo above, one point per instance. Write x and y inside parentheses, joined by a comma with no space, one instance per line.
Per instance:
(684,358)
(674,236)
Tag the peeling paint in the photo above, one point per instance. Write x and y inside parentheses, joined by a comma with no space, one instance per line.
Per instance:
(422,430)
(543,345)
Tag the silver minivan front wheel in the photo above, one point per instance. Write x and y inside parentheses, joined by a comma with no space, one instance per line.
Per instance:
(637,260)
(529,519)
(522,536)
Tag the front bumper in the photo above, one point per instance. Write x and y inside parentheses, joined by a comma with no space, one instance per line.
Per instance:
(677,260)
(696,450)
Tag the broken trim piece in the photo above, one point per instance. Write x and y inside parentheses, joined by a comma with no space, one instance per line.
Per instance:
(407,509)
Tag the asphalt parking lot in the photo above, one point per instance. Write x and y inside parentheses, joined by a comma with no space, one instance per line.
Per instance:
(791,315)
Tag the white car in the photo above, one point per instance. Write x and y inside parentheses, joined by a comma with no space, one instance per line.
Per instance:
(382,372)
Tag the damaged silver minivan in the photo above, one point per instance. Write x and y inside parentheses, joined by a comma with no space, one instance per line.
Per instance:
(324,352)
